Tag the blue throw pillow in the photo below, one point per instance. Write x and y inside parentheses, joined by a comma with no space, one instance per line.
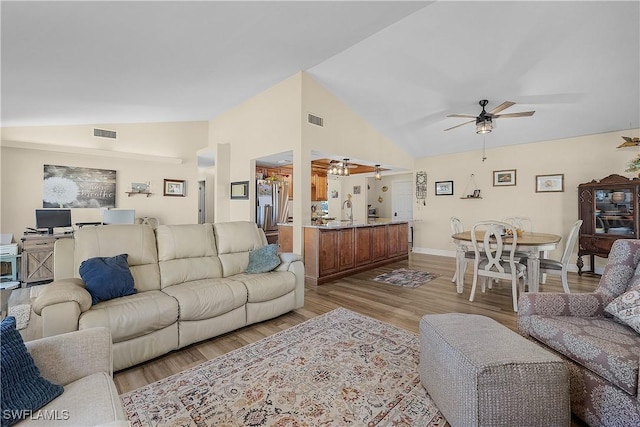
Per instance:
(263,259)
(24,391)
(107,278)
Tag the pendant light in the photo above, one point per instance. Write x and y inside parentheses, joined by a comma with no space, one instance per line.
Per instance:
(377,174)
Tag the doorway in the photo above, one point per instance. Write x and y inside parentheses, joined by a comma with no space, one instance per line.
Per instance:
(202,211)
(402,205)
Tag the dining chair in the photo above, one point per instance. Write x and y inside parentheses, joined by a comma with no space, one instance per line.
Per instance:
(524,223)
(560,268)
(457,227)
(493,260)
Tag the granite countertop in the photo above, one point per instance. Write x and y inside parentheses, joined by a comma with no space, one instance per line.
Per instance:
(348,224)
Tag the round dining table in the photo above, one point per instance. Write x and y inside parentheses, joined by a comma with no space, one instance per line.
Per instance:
(529,242)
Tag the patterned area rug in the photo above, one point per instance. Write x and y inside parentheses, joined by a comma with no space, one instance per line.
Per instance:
(406,278)
(338,369)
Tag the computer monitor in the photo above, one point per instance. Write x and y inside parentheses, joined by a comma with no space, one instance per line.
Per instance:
(118,216)
(52,218)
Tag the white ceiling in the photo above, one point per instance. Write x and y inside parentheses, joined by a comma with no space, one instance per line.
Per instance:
(403,66)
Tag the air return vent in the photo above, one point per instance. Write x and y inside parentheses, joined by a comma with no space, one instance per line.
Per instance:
(104,133)
(315,120)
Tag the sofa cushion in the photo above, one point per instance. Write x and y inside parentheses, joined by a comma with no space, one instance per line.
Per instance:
(89,401)
(23,389)
(267,286)
(626,308)
(204,299)
(137,240)
(187,252)
(132,316)
(234,241)
(603,346)
(107,277)
(264,259)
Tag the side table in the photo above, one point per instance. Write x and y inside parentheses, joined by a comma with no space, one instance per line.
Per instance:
(13,260)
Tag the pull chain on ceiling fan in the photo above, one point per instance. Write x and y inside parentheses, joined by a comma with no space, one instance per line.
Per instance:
(484,121)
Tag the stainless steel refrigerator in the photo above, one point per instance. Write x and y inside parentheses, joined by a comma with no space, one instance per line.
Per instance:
(272,206)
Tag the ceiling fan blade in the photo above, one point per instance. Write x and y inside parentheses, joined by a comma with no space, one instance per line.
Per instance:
(503,106)
(461,124)
(628,144)
(508,115)
(464,116)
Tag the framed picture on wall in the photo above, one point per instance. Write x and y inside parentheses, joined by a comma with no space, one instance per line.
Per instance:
(175,187)
(240,190)
(504,178)
(550,183)
(444,188)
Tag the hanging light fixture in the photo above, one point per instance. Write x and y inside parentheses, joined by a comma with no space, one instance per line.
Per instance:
(377,174)
(345,167)
(484,125)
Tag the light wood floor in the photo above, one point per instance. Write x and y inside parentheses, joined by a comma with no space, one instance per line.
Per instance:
(402,307)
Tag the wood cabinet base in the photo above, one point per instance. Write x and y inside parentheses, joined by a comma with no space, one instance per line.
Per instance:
(312,280)
(333,253)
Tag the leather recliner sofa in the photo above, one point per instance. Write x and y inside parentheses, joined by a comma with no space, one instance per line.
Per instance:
(190,280)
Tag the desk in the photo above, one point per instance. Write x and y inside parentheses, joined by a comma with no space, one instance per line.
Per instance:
(532,243)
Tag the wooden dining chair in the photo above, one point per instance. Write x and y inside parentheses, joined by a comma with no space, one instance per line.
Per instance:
(525,224)
(561,267)
(493,260)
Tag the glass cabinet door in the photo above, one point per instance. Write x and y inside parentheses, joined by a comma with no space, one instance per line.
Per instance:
(613,212)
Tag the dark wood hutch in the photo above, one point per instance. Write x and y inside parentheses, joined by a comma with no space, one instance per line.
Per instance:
(609,209)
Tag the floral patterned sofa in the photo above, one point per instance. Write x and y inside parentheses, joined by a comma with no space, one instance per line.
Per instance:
(598,334)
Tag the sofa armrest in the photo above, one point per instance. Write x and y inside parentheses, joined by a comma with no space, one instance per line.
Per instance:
(557,304)
(61,291)
(65,358)
(293,263)
(286,258)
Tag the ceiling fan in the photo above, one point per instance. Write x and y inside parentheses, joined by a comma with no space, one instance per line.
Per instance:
(629,142)
(484,121)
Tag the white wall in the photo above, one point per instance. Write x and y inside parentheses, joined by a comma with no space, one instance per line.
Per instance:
(25,151)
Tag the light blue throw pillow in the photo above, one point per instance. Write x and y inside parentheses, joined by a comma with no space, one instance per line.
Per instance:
(263,259)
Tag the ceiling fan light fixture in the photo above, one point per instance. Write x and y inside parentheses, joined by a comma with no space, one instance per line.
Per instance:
(484,125)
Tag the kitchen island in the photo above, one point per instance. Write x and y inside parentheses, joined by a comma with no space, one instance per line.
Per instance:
(341,248)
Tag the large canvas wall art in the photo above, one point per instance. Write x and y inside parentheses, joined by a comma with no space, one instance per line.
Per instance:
(75,187)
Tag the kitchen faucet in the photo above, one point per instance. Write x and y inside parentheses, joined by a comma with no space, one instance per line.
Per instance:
(348,204)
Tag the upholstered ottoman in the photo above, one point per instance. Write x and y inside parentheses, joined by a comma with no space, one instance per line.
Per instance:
(480,373)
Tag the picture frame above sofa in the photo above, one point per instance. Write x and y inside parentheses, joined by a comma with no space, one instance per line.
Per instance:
(175,188)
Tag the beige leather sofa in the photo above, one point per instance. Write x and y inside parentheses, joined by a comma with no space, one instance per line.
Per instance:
(190,285)
(81,362)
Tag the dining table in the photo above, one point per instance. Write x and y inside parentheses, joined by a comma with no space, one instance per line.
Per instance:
(531,243)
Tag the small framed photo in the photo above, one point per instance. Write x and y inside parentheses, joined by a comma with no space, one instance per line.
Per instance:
(240,190)
(550,183)
(334,194)
(504,178)
(444,188)
(175,187)
(140,187)
(356,189)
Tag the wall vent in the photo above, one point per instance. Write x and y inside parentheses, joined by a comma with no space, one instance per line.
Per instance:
(315,120)
(104,133)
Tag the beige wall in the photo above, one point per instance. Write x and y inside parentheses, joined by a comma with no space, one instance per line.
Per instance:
(275,121)
(162,150)
(580,159)
(265,124)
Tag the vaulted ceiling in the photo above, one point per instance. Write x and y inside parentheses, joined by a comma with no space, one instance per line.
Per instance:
(403,66)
